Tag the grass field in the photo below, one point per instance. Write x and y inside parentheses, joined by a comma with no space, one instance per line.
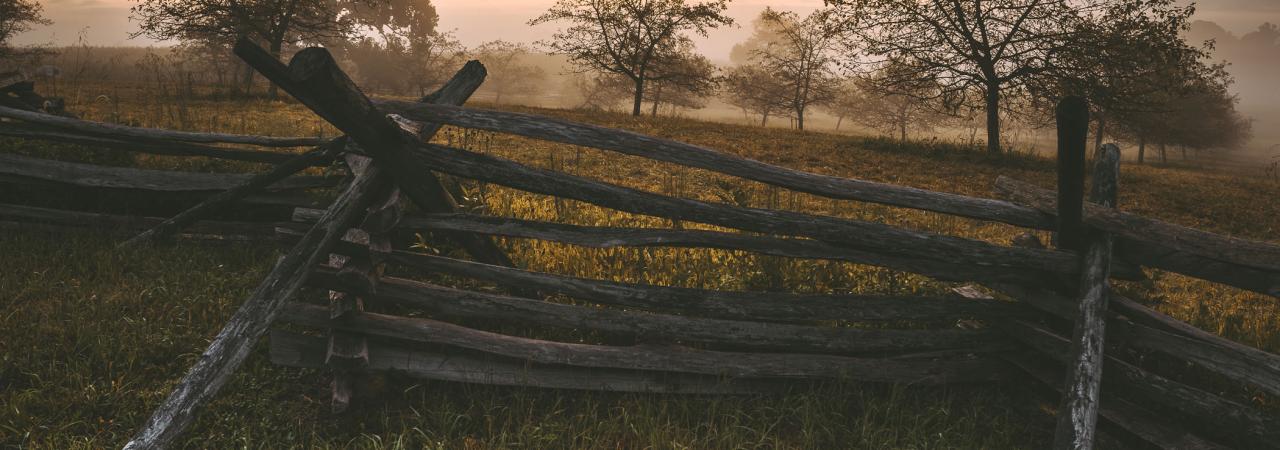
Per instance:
(91,339)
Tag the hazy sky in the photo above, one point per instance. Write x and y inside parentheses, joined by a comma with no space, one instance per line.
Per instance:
(106,22)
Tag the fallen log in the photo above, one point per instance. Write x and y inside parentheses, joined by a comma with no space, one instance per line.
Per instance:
(158,135)
(20,168)
(563,131)
(294,350)
(462,304)
(1078,415)
(665,359)
(167,148)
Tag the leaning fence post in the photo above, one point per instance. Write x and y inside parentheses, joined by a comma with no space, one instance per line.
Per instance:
(1073,130)
(1078,416)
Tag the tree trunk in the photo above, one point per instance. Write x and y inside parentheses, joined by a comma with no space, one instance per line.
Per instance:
(839,120)
(1102,128)
(993,119)
(800,119)
(1142,149)
(764,119)
(902,131)
(657,100)
(277,43)
(1184,152)
(1164,153)
(639,97)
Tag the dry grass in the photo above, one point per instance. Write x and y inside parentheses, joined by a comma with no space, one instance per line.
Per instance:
(93,339)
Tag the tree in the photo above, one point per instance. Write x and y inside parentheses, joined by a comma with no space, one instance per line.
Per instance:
(599,92)
(630,38)
(799,52)
(508,73)
(683,80)
(17,16)
(978,51)
(756,91)
(891,108)
(1129,62)
(273,22)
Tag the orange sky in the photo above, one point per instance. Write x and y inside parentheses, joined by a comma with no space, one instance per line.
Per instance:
(105,22)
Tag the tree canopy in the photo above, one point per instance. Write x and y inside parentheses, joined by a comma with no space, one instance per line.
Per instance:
(17,16)
(630,38)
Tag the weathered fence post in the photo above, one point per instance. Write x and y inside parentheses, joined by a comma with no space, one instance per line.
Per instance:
(1078,416)
(315,79)
(232,345)
(1073,129)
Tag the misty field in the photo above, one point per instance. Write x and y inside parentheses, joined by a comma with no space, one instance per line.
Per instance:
(91,339)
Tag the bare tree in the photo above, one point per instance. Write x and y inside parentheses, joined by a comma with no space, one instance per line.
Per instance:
(17,16)
(800,52)
(756,91)
(508,71)
(630,38)
(683,80)
(978,51)
(892,109)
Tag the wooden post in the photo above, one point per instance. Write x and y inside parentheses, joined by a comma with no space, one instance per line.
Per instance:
(315,79)
(232,345)
(1073,131)
(1078,415)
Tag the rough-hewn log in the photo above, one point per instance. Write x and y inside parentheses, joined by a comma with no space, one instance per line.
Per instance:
(740,305)
(1222,419)
(294,350)
(1026,265)
(666,359)
(110,130)
(557,130)
(1139,422)
(228,197)
(233,344)
(314,79)
(19,167)
(1073,130)
(167,148)
(1078,416)
(1139,327)
(18,217)
(1250,265)
(33,214)
(463,304)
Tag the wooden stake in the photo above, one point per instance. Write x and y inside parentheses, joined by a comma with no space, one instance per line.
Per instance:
(1078,416)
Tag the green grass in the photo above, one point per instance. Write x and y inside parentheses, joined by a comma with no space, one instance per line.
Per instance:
(92,339)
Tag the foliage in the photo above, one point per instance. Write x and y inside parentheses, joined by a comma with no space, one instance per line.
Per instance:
(799,53)
(509,74)
(756,91)
(642,40)
(17,16)
(979,53)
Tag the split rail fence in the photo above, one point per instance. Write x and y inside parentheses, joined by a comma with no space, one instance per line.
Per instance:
(1056,318)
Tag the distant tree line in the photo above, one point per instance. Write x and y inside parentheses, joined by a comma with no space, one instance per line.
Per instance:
(894,66)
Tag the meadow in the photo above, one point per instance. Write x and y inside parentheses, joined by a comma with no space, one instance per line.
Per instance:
(92,338)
